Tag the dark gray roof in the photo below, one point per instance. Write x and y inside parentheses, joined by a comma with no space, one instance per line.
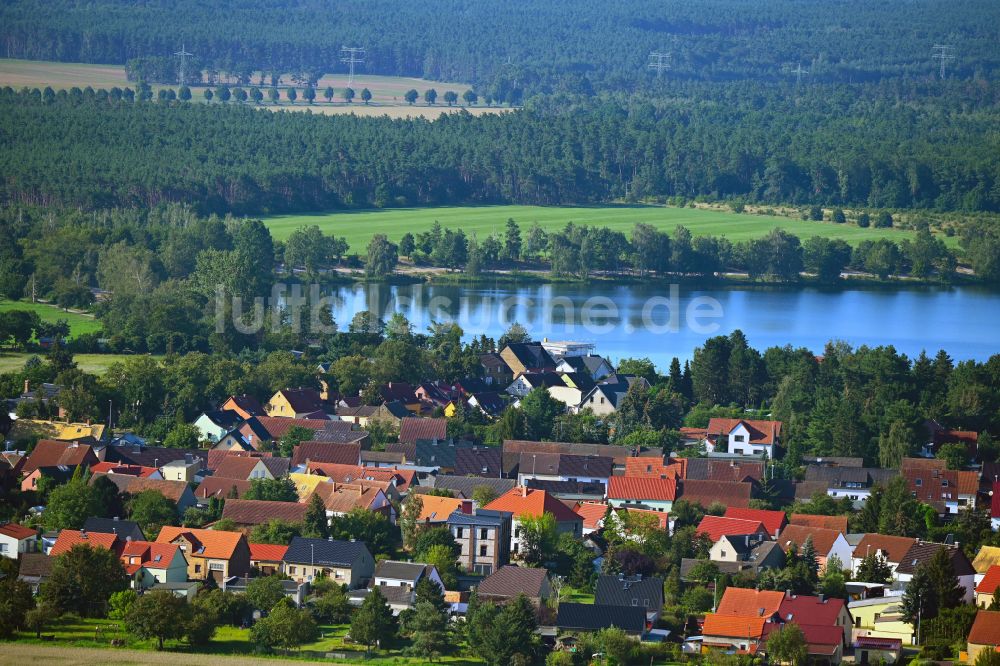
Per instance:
(465,486)
(846,477)
(478,461)
(922,552)
(325,552)
(411,571)
(430,452)
(35,565)
(123,528)
(593,617)
(630,591)
(689,563)
(152,456)
(575,488)
(481,517)
(531,354)
(224,418)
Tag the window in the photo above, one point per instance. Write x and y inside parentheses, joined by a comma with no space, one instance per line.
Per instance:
(944,483)
(635,602)
(739,438)
(484,534)
(216,566)
(197,568)
(482,551)
(722,554)
(919,482)
(857,622)
(291,570)
(459,533)
(3,548)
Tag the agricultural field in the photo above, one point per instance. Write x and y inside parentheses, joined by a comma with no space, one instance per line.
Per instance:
(96,364)
(359,226)
(387,91)
(79,322)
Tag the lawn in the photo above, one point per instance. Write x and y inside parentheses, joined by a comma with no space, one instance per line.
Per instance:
(359,226)
(78,322)
(96,364)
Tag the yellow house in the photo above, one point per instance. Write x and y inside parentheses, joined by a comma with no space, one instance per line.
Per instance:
(450,409)
(297,403)
(305,484)
(880,617)
(985,558)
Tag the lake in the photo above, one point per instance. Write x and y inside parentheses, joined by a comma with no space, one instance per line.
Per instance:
(662,322)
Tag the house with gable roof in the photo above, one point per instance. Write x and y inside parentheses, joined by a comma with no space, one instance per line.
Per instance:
(17,539)
(984,634)
(743,437)
(638,492)
(892,549)
(923,551)
(346,562)
(214,554)
(522,502)
(298,403)
(828,543)
(773,521)
(564,467)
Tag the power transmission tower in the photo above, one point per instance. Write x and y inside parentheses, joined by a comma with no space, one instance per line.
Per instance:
(660,61)
(182,54)
(352,55)
(798,73)
(943,53)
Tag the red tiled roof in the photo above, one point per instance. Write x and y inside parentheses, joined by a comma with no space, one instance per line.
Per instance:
(761,432)
(412,428)
(221,488)
(715,527)
(118,468)
(990,581)
(327,452)
(522,501)
(806,609)
(838,523)
(822,539)
(266,552)
(707,493)
(216,458)
(893,548)
(774,521)
(19,532)
(277,426)
(638,488)
(341,498)
(257,512)
(936,486)
(133,485)
(821,639)
(151,555)
(50,453)
(746,602)
(986,628)
(400,478)
(69,538)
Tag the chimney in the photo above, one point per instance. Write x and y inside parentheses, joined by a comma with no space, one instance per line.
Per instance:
(467,507)
(822,598)
(115,518)
(83,534)
(27,385)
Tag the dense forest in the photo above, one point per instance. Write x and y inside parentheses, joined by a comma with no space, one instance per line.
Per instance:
(885,146)
(538,46)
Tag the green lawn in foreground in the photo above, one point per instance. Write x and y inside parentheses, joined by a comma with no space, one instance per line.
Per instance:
(78,323)
(96,364)
(359,226)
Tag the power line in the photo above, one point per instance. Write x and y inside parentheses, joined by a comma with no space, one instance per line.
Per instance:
(943,53)
(183,54)
(660,61)
(799,72)
(352,55)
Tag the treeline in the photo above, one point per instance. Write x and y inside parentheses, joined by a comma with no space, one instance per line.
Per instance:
(537,47)
(92,149)
(581,251)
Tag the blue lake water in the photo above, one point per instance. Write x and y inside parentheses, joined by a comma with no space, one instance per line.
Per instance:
(662,322)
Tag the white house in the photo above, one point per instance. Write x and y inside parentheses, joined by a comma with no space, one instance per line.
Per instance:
(17,539)
(564,467)
(523,384)
(214,425)
(743,438)
(560,349)
(923,551)
(597,367)
(828,543)
(149,563)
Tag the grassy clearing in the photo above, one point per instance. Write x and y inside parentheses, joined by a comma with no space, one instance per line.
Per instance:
(359,226)
(96,364)
(79,322)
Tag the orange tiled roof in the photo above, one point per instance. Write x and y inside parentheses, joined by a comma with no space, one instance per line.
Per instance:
(662,516)
(893,548)
(761,432)
(150,554)
(651,467)
(522,501)
(733,626)
(69,538)
(208,543)
(838,523)
(118,468)
(436,509)
(741,601)
(654,489)
(716,527)
(592,514)
(344,497)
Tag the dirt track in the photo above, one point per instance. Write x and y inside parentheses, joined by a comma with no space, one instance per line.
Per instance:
(21,653)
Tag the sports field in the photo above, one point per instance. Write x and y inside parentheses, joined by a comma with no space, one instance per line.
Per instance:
(387,91)
(96,364)
(359,226)
(78,322)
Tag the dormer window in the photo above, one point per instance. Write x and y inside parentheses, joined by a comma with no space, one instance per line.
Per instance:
(919,482)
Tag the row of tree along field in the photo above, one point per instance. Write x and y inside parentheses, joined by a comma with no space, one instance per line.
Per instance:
(845,147)
(551,47)
(309,95)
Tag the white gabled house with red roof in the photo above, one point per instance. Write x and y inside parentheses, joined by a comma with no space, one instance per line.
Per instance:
(743,438)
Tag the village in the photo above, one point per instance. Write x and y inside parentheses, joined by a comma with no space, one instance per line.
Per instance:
(368,516)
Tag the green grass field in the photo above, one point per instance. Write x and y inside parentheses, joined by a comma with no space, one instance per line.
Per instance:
(96,364)
(359,226)
(78,323)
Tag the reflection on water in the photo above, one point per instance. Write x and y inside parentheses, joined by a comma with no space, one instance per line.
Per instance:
(653,321)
